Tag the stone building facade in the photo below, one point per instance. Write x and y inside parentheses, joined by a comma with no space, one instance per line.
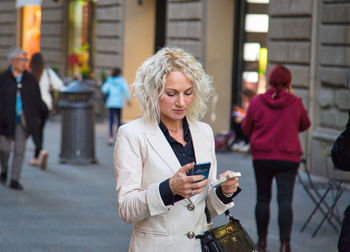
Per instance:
(8,31)
(311,37)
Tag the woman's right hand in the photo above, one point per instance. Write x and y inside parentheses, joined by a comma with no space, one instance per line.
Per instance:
(184,185)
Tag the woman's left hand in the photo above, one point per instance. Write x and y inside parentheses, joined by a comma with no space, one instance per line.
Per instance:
(231,185)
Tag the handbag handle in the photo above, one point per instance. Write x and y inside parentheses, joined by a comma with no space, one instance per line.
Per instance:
(207,214)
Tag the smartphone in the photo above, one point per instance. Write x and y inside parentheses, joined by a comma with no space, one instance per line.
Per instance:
(200,169)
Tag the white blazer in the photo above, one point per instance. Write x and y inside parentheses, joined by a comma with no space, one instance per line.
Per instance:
(143,159)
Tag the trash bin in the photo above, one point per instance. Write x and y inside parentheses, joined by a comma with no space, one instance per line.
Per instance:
(78,120)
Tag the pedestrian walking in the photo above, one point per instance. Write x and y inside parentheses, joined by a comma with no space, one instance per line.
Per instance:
(48,82)
(153,155)
(115,90)
(273,121)
(21,110)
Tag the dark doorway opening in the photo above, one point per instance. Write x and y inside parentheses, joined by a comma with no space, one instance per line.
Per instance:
(238,41)
(161,14)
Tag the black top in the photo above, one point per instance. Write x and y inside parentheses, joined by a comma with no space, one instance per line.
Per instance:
(32,105)
(185,154)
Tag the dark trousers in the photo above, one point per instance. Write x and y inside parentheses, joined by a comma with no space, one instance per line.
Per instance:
(112,113)
(285,173)
(18,152)
(38,139)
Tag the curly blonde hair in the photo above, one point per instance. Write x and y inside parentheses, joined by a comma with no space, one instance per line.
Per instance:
(150,82)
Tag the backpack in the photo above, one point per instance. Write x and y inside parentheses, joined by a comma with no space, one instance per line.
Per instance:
(341,149)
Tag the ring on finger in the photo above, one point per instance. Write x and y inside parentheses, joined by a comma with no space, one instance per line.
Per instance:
(193,193)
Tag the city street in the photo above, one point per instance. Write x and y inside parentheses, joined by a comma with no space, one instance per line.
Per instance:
(73,207)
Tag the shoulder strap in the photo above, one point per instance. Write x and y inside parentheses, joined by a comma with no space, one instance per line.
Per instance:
(207,214)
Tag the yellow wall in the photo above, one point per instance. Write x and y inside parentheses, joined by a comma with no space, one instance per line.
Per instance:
(219,46)
(139,33)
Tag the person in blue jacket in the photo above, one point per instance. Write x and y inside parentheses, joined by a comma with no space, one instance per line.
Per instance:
(115,89)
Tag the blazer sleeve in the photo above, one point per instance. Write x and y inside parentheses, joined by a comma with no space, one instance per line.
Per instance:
(215,205)
(135,202)
(128,170)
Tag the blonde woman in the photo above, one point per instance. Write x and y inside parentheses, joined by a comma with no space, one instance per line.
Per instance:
(152,155)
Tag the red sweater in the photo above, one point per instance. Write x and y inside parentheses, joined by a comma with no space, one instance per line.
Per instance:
(273,125)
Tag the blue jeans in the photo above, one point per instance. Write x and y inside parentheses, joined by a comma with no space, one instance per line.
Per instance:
(112,112)
(285,173)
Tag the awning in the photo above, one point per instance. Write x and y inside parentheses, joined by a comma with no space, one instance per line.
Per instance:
(22,3)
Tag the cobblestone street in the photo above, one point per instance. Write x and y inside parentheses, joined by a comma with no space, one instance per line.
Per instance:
(73,208)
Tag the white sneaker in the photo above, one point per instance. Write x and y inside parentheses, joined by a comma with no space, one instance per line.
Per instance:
(244,148)
(237,146)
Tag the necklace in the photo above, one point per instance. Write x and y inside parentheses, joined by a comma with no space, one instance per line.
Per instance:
(175,130)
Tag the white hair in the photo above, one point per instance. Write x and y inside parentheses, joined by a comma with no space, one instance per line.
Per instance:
(150,82)
(15,52)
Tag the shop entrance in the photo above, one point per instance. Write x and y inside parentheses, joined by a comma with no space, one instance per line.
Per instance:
(31,21)
(81,37)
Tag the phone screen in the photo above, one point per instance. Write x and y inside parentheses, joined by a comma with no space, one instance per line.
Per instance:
(200,169)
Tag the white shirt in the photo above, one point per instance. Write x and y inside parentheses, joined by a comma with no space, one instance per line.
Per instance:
(49,77)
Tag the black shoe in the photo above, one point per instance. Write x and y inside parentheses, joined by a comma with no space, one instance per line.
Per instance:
(3,178)
(14,184)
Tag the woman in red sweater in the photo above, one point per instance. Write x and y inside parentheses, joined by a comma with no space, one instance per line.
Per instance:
(273,121)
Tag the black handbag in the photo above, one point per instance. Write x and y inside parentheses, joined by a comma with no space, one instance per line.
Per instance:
(226,238)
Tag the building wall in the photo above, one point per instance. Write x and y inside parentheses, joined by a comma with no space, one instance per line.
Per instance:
(8,31)
(53,41)
(219,46)
(289,41)
(186,26)
(139,40)
(109,36)
(311,38)
(333,94)
(205,29)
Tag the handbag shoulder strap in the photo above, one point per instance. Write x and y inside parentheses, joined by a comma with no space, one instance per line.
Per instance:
(207,215)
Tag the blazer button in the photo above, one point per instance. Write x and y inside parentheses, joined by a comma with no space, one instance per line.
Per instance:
(190,235)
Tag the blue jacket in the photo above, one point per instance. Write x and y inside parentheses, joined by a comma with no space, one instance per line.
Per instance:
(115,88)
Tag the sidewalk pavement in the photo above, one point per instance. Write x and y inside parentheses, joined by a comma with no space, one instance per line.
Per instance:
(73,208)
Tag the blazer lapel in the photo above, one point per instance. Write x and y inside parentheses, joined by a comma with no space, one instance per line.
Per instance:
(160,144)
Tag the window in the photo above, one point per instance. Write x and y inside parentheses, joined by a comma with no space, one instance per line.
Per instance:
(259,1)
(80,37)
(256,23)
(251,51)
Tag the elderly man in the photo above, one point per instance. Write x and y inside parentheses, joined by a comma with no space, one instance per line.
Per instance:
(20,110)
